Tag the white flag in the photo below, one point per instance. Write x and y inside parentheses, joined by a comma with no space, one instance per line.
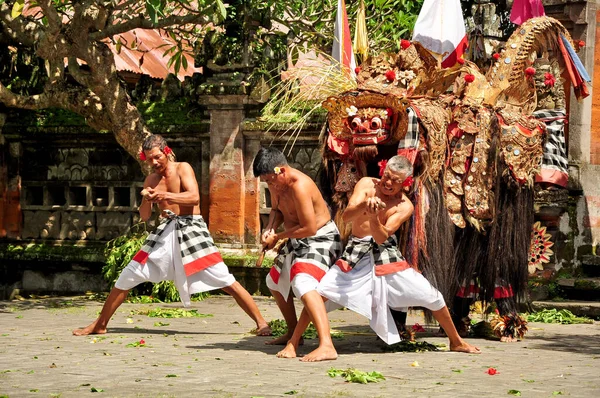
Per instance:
(440,28)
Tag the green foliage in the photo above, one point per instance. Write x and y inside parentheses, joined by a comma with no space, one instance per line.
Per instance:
(413,346)
(553,315)
(252,34)
(177,112)
(119,251)
(356,376)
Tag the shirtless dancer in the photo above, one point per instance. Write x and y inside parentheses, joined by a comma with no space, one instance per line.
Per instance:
(372,276)
(181,249)
(313,244)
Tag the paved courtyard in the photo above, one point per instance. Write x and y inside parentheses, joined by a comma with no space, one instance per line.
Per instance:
(216,356)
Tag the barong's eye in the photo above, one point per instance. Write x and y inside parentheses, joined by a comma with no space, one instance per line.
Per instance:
(355,123)
(376,123)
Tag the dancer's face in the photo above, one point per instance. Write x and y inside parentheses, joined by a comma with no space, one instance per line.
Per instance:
(274,180)
(391,182)
(156,159)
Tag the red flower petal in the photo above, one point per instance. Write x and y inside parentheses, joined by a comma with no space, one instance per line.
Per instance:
(530,71)
(390,75)
(167,150)
(142,341)
(142,155)
(492,371)
(404,44)
(408,182)
(549,80)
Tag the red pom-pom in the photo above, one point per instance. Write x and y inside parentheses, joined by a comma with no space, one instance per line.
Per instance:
(530,71)
(496,56)
(461,61)
(581,43)
(549,79)
(167,150)
(142,156)
(357,70)
(382,165)
(469,78)
(404,44)
(390,75)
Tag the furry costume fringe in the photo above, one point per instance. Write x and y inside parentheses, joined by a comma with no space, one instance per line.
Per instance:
(435,253)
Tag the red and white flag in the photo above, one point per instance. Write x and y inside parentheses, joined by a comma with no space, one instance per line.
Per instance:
(440,28)
(342,41)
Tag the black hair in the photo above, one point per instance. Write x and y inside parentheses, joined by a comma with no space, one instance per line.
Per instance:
(266,160)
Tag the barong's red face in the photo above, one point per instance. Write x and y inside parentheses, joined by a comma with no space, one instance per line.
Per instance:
(368,126)
(391,182)
(157,159)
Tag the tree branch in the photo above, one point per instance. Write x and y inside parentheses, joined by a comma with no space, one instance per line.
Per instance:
(75,71)
(21,30)
(54,20)
(143,23)
(31,102)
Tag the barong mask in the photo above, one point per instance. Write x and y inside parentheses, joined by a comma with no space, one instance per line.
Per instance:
(363,120)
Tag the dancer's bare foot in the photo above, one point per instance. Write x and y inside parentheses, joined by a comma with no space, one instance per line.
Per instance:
(508,339)
(281,340)
(463,346)
(321,354)
(263,330)
(90,329)
(288,352)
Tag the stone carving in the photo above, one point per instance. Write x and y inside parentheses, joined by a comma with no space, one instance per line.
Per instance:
(109,225)
(41,224)
(77,225)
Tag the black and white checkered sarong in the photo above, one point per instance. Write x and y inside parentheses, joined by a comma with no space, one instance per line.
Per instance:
(411,139)
(198,250)
(555,150)
(385,253)
(320,250)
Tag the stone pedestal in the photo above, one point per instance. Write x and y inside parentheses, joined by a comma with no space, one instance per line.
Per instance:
(233,216)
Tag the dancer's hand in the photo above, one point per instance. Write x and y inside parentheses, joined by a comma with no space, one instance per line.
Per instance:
(374,205)
(155,196)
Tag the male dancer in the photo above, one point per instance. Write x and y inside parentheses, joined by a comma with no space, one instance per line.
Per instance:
(181,249)
(372,276)
(313,244)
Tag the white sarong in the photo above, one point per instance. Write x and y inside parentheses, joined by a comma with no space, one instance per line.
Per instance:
(180,250)
(301,263)
(363,283)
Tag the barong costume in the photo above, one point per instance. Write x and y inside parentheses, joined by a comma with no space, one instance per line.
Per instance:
(182,250)
(301,263)
(370,279)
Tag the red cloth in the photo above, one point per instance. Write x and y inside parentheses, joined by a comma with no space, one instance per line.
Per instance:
(522,10)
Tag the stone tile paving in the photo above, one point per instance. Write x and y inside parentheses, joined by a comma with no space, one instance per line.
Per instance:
(217,357)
